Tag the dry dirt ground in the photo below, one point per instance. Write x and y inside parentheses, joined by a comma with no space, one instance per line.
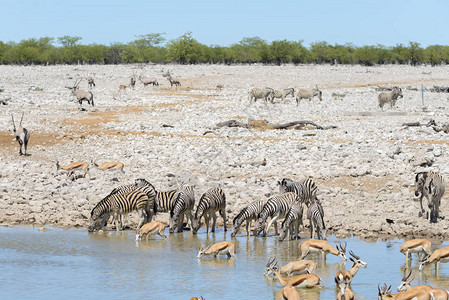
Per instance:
(364,167)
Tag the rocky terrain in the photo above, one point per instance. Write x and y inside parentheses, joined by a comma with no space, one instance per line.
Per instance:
(364,167)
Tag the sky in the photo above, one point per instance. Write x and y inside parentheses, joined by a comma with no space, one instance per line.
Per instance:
(360,22)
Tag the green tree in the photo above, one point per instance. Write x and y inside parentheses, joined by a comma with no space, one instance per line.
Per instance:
(184,50)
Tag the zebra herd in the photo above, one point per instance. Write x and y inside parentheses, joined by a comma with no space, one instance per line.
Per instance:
(269,94)
(143,198)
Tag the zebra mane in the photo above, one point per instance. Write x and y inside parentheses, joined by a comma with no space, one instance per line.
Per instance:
(172,213)
(99,205)
(239,215)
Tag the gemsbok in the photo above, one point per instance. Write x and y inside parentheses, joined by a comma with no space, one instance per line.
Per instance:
(415,246)
(22,135)
(73,166)
(226,247)
(81,95)
(323,247)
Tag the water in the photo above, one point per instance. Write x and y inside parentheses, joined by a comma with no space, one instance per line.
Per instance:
(75,264)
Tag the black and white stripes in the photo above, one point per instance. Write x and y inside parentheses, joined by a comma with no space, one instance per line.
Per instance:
(306,188)
(212,201)
(182,205)
(315,214)
(430,185)
(247,214)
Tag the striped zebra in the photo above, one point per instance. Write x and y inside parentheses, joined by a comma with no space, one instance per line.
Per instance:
(165,200)
(117,205)
(142,185)
(182,205)
(247,214)
(260,93)
(276,207)
(291,222)
(315,214)
(212,201)
(282,94)
(431,186)
(306,188)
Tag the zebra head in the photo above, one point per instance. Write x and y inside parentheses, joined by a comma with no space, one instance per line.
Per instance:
(284,185)
(97,222)
(258,227)
(196,224)
(420,179)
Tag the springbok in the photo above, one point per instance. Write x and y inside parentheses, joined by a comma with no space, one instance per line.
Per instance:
(215,249)
(73,166)
(81,95)
(21,135)
(438,294)
(415,246)
(413,294)
(300,281)
(299,266)
(110,165)
(324,247)
(344,291)
(437,256)
(290,293)
(122,87)
(151,227)
(348,275)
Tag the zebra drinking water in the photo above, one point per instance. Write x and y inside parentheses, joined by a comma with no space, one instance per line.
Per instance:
(182,205)
(212,201)
(291,222)
(247,214)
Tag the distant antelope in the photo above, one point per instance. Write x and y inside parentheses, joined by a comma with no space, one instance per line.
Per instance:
(133,80)
(415,246)
(90,82)
(109,165)
(81,95)
(227,247)
(219,87)
(173,81)
(123,87)
(146,81)
(152,227)
(73,166)
(21,135)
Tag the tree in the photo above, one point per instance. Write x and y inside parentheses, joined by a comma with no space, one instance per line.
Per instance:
(184,50)
(149,40)
(68,41)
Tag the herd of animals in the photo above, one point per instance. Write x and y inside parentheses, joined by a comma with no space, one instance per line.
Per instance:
(294,197)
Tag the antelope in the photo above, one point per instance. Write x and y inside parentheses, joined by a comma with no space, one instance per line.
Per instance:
(344,291)
(299,266)
(324,247)
(437,255)
(152,227)
(290,293)
(413,294)
(22,135)
(347,276)
(73,166)
(123,87)
(81,94)
(132,82)
(219,87)
(90,82)
(415,246)
(439,294)
(109,165)
(301,281)
(173,81)
(216,248)
(146,81)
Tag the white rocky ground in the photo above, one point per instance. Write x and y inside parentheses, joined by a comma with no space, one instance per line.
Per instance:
(364,169)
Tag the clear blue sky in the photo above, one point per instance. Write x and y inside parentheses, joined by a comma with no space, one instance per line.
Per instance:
(361,22)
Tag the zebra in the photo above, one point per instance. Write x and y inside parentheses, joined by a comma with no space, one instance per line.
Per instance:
(292,221)
(306,188)
(308,94)
(165,200)
(390,97)
(212,201)
(276,207)
(431,186)
(282,94)
(247,214)
(117,205)
(260,93)
(315,214)
(182,205)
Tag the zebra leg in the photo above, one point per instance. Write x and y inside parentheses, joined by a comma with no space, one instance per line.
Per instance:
(223,215)
(180,222)
(206,220)
(214,220)
(248,223)
(421,213)
(274,219)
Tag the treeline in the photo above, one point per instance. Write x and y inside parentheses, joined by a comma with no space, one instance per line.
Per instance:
(187,50)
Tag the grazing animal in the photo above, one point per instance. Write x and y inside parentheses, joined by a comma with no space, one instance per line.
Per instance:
(315,214)
(390,97)
(322,246)
(152,227)
(81,95)
(182,205)
(122,87)
(210,202)
(415,246)
(110,165)
(73,166)
(146,81)
(260,93)
(438,255)
(247,214)
(414,294)
(306,188)
(300,281)
(291,222)
(276,207)
(438,294)
(431,186)
(299,266)
(290,293)
(308,94)
(173,81)
(22,135)
(346,276)
(117,205)
(282,94)
(227,247)
(90,82)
